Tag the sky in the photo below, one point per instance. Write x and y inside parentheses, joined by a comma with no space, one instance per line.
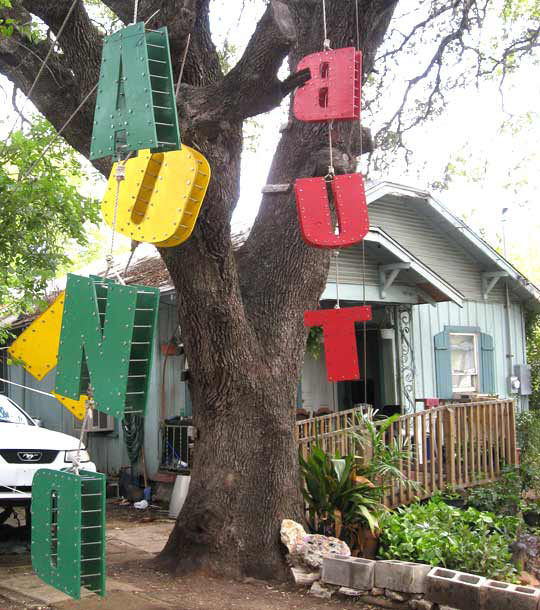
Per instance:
(495,169)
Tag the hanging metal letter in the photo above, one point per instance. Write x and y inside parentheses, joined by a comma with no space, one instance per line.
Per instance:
(333,92)
(160,199)
(136,102)
(68,530)
(339,339)
(112,326)
(314,210)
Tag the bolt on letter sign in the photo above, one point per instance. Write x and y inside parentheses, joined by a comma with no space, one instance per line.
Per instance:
(339,339)
(68,530)
(136,102)
(334,89)
(160,199)
(314,210)
(108,327)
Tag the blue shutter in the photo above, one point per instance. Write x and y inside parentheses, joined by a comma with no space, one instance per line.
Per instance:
(487,364)
(299,395)
(443,366)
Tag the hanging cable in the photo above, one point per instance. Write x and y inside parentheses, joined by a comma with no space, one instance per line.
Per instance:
(25,387)
(357,15)
(40,71)
(182,65)
(88,414)
(336,254)
(326,42)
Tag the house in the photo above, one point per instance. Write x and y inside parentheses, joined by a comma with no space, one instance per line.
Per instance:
(448,321)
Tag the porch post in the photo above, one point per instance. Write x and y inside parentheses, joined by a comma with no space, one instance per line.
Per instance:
(405,349)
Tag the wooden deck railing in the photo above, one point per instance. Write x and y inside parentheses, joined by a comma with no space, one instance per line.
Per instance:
(450,447)
(332,431)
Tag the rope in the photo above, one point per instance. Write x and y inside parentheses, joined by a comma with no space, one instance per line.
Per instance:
(25,387)
(87,415)
(40,71)
(182,65)
(336,254)
(357,27)
(326,42)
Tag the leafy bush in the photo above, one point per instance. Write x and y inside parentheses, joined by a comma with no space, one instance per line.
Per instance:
(337,504)
(503,497)
(441,535)
(528,437)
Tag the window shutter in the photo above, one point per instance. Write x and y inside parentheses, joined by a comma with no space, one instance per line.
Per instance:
(487,364)
(443,367)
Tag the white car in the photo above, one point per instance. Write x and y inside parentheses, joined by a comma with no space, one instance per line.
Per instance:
(25,448)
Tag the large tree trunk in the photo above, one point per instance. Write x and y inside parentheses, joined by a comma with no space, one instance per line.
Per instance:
(241,313)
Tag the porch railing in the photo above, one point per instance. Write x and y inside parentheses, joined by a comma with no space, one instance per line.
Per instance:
(332,432)
(450,447)
(176,445)
(453,447)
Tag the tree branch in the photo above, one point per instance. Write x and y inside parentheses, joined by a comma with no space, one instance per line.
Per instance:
(252,86)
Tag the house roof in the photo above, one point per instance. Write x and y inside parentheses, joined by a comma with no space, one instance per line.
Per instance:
(432,288)
(490,260)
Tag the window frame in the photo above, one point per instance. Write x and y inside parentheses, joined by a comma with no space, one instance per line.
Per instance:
(474,376)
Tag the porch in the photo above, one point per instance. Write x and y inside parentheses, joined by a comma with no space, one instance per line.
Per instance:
(451,447)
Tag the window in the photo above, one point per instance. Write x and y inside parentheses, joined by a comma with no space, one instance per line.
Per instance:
(99,422)
(464,360)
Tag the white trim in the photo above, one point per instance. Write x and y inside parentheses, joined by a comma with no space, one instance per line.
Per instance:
(378,236)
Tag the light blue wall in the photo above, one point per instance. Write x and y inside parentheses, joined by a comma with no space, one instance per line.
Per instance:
(490,318)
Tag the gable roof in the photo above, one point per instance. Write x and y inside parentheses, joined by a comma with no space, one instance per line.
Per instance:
(459,232)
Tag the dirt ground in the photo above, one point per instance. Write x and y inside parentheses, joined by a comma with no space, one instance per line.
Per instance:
(146,588)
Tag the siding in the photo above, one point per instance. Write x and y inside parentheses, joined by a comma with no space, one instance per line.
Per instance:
(432,246)
(489,317)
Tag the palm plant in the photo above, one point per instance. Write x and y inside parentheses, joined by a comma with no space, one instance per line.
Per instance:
(337,505)
(380,460)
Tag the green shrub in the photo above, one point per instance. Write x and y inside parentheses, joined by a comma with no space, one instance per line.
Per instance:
(441,535)
(528,439)
(503,497)
(337,504)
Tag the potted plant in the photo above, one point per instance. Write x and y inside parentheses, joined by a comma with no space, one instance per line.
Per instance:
(338,505)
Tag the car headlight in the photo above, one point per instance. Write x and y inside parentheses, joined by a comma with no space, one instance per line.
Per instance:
(72,455)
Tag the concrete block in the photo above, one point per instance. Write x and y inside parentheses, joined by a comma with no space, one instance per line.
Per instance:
(503,596)
(336,570)
(455,589)
(362,573)
(402,576)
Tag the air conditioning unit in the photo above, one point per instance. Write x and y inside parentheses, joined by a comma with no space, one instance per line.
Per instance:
(99,422)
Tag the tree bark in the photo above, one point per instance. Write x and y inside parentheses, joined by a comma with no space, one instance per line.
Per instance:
(241,312)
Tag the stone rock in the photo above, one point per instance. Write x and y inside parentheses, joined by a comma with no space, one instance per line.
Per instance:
(528,579)
(394,595)
(376,592)
(352,592)
(291,533)
(313,547)
(420,604)
(304,577)
(320,590)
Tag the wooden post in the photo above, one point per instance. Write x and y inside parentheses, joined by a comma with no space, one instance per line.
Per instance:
(450,446)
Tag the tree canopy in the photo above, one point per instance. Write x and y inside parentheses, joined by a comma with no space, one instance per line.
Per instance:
(39,215)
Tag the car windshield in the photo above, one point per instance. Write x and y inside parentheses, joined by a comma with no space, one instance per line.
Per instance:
(10,413)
